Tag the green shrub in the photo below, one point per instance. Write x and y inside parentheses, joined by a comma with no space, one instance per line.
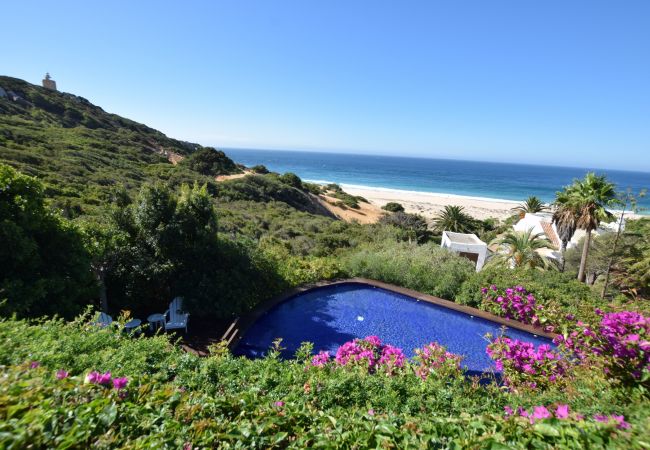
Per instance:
(426,268)
(292,180)
(260,169)
(44,267)
(393,207)
(172,400)
(211,162)
(554,290)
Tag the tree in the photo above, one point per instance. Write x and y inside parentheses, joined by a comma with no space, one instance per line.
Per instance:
(102,243)
(414,225)
(589,198)
(531,205)
(44,267)
(211,162)
(564,219)
(626,199)
(453,218)
(520,249)
(168,247)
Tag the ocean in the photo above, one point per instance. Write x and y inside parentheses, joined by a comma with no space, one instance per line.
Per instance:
(469,178)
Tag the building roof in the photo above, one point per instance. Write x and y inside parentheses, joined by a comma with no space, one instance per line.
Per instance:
(464,238)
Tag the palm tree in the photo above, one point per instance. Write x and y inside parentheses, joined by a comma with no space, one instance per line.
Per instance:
(531,205)
(520,249)
(588,198)
(454,218)
(564,219)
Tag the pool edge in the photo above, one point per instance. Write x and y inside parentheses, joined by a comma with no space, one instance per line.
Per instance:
(240,325)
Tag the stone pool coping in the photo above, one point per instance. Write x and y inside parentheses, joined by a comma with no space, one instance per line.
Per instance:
(240,325)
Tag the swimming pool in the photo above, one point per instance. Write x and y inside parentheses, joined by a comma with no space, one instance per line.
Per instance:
(332,315)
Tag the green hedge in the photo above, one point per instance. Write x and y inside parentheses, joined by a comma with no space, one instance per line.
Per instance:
(426,268)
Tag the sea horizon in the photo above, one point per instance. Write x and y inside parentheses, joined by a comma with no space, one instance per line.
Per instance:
(480,180)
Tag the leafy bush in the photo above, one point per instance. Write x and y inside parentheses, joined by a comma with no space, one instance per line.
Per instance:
(393,207)
(260,169)
(296,271)
(44,268)
(211,162)
(292,180)
(425,268)
(621,343)
(555,291)
(524,365)
(414,226)
(268,188)
(53,395)
(512,303)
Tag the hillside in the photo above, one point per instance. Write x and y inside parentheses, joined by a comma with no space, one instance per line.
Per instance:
(79,150)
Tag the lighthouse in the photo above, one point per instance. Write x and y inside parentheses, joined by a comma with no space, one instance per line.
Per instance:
(48,82)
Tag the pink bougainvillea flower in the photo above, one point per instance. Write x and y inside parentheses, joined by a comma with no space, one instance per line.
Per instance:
(321,359)
(371,412)
(61,374)
(562,411)
(373,340)
(105,378)
(540,412)
(95,377)
(279,404)
(508,410)
(92,377)
(621,423)
(120,383)
(619,420)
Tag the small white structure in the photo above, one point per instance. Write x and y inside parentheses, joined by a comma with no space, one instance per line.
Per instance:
(467,245)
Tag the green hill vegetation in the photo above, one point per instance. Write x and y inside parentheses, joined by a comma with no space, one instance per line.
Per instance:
(98,211)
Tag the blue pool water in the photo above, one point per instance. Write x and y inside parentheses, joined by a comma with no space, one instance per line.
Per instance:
(332,315)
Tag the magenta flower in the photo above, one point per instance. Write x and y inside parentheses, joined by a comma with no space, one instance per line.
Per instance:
(373,340)
(120,383)
(371,412)
(562,411)
(105,378)
(508,410)
(61,374)
(540,412)
(95,377)
(321,359)
(619,420)
(34,364)
(621,423)
(279,404)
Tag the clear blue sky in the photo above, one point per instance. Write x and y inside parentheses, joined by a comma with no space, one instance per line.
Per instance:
(557,82)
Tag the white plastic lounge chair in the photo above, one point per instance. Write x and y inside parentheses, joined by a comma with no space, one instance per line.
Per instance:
(176,320)
(104,320)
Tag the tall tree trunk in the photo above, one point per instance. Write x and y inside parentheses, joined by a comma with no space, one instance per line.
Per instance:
(585,253)
(103,298)
(562,251)
(611,258)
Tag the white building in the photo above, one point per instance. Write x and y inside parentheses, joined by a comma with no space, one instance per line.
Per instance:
(542,222)
(466,245)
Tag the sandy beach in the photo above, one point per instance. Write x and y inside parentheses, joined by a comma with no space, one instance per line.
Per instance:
(428,204)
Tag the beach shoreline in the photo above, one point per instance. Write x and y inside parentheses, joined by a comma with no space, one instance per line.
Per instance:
(428,204)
